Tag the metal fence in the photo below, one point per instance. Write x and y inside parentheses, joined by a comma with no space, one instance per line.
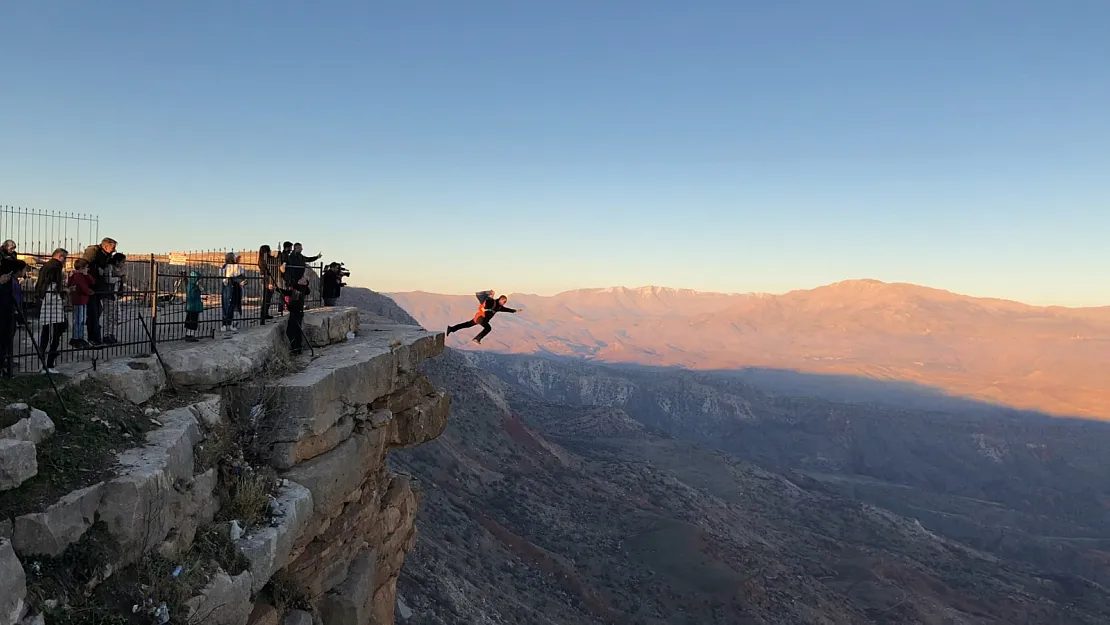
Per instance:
(40,232)
(149,310)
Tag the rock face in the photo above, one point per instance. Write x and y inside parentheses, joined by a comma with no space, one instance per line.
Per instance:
(339,523)
(18,462)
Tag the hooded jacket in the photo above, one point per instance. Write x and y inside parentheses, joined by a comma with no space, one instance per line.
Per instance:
(193,301)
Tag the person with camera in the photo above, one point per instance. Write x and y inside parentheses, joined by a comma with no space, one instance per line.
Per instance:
(331,283)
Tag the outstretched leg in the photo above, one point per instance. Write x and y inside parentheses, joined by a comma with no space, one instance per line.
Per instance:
(462,326)
(485,330)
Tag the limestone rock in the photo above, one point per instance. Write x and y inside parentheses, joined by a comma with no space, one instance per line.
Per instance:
(350,603)
(34,426)
(380,418)
(344,380)
(271,548)
(7,529)
(18,463)
(297,617)
(334,475)
(286,455)
(404,612)
(195,506)
(48,533)
(209,364)
(422,422)
(37,619)
(210,411)
(13,586)
(138,505)
(264,614)
(329,326)
(225,600)
(134,379)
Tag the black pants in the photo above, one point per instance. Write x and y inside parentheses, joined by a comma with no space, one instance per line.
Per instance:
(330,301)
(50,336)
(192,321)
(486,329)
(7,340)
(92,319)
(293,331)
(267,297)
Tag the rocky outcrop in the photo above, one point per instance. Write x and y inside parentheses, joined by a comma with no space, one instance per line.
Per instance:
(18,454)
(13,586)
(338,523)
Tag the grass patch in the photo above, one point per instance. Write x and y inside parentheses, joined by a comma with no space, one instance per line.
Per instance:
(70,576)
(244,494)
(213,542)
(83,450)
(284,595)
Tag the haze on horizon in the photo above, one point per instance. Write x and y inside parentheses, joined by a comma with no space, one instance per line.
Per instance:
(719,146)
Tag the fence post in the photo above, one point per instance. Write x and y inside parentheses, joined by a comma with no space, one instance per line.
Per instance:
(153,302)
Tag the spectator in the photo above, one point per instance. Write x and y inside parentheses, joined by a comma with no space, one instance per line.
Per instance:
(11,309)
(283,259)
(268,267)
(80,293)
(7,251)
(297,263)
(232,292)
(98,257)
(331,283)
(115,278)
(194,306)
(50,289)
(295,297)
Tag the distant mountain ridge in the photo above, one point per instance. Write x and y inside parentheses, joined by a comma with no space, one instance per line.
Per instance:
(1049,358)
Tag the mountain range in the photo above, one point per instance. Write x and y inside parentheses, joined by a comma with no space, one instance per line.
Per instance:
(1053,359)
(567,491)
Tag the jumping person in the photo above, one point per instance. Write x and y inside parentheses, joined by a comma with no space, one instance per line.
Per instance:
(487,308)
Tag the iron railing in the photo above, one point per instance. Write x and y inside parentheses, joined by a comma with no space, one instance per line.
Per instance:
(39,232)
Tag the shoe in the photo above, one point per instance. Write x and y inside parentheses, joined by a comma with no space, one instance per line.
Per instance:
(191,339)
(110,340)
(476,341)
(51,371)
(448,331)
(77,343)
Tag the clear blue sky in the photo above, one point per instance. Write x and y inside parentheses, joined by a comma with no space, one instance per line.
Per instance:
(540,146)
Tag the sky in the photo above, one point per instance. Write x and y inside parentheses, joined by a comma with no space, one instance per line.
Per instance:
(536,147)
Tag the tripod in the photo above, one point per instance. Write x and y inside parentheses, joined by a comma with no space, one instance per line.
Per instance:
(40,353)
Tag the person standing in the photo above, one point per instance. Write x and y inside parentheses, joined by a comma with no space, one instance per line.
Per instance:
(97,256)
(295,296)
(194,306)
(283,260)
(50,288)
(297,263)
(268,268)
(331,284)
(11,310)
(232,291)
(80,292)
(115,278)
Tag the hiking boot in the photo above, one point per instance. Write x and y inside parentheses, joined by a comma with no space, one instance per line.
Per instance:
(448,331)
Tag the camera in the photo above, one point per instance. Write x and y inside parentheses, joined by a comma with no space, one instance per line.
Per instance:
(342,270)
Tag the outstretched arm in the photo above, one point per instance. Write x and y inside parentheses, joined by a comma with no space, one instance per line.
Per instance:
(507,309)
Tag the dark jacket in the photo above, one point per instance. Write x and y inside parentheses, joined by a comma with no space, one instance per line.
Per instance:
(294,298)
(490,308)
(296,264)
(98,262)
(330,285)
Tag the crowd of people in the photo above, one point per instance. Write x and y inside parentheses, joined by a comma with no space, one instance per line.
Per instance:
(85,301)
(91,290)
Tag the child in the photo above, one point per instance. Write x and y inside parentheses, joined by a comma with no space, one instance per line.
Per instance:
(294,301)
(11,309)
(194,306)
(80,288)
(232,293)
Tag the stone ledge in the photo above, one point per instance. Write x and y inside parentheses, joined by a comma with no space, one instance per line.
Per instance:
(226,600)
(270,549)
(135,379)
(34,426)
(328,326)
(137,506)
(345,380)
(13,586)
(18,462)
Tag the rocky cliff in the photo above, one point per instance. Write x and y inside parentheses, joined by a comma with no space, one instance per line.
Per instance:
(260,494)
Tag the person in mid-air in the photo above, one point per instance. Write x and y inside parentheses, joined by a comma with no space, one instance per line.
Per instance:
(488,306)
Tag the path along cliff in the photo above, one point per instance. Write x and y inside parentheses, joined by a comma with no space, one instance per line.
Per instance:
(260,495)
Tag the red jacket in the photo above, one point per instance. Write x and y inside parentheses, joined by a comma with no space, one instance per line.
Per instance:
(82,288)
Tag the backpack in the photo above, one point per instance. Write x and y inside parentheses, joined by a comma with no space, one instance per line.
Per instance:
(483,297)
